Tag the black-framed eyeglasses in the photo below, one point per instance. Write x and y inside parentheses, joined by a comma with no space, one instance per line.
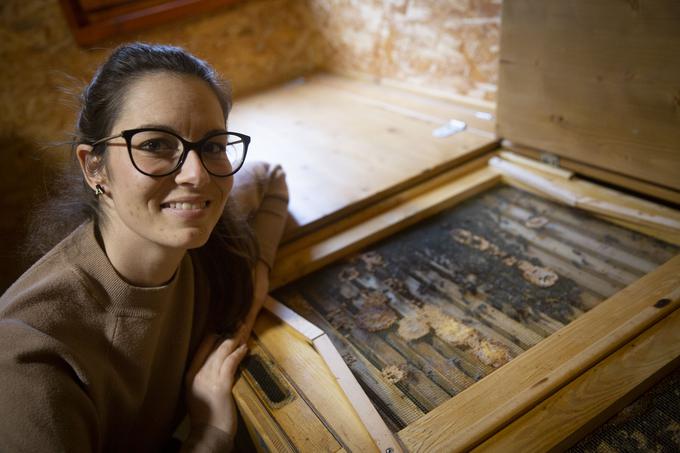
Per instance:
(159,152)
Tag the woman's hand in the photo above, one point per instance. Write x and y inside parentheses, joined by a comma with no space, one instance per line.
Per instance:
(209,381)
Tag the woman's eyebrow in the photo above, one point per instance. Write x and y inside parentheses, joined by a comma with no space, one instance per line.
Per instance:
(171,129)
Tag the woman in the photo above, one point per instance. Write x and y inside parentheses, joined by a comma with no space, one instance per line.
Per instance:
(118,331)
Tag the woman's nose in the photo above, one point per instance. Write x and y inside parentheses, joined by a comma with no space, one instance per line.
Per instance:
(192,171)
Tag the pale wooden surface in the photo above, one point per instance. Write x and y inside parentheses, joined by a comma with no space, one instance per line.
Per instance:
(319,418)
(617,179)
(597,394)
(479,411)
(598,83)
(344,144)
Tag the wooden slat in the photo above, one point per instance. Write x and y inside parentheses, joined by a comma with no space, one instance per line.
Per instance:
(478,412)
(261,426)
(293,266)
(599,84)
(596,395)
(304,426)
(600,174)
(642,215)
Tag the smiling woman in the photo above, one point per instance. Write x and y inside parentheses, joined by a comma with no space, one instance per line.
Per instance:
(114,334)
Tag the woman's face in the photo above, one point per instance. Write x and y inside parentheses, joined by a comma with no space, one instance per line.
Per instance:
(177,211)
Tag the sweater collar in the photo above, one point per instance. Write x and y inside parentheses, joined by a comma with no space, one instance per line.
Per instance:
(118,295)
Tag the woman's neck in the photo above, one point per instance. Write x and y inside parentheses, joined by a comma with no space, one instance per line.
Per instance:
(138,261)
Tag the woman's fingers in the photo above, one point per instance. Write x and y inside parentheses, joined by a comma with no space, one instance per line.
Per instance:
(230,363)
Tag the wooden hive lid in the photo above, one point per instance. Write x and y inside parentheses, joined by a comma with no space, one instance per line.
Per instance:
(595,82)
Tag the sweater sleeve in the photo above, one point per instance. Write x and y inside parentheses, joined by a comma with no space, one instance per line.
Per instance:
(45,407)
(207,439)
(261,193)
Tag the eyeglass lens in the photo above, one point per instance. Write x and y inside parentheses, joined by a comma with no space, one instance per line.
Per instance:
(158,152)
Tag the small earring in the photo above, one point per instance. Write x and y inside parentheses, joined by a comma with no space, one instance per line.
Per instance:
(98,190)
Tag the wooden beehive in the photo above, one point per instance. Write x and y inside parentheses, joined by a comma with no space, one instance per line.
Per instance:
(534,301)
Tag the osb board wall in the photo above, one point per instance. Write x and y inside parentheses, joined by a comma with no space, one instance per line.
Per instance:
(449,46)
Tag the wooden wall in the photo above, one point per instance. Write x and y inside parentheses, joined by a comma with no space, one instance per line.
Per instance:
(447,46)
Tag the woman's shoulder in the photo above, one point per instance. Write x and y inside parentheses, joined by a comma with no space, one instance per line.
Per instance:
(55,277)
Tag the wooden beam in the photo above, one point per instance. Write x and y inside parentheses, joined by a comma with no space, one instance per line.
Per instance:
(475,414)
(596,395)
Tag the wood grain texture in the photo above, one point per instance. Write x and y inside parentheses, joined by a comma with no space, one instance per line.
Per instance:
(599,174)
(478,412)
(317,389)
(598,83)
(342,151)
(641,215)
(595,395)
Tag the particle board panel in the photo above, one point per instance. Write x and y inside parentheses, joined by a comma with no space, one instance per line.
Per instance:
(344,146)
(598,83)
(425,314)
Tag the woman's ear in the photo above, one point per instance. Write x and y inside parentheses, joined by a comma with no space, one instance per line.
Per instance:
(92,165)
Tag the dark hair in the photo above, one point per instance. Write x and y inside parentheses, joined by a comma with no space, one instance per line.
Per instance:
(229,254)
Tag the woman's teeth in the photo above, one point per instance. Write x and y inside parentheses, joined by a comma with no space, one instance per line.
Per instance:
(187,206)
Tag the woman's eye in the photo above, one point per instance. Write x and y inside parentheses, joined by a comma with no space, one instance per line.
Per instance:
(214,148)
(156,145)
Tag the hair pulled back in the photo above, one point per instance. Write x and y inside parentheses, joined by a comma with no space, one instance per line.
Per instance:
(228,256)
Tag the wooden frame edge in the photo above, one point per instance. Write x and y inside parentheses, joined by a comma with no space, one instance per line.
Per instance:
(561,420)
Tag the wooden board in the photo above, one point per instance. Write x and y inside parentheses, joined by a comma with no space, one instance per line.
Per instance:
(343,148)
(315,415)
(596,395)
(597,82)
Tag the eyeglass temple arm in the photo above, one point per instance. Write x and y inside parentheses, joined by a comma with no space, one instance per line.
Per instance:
(105,139)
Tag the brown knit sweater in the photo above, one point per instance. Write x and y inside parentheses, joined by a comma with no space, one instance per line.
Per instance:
(89,362)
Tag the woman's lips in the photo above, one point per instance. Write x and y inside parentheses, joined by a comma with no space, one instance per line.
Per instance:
(186,209)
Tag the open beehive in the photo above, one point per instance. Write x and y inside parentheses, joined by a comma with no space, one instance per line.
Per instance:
(534,303)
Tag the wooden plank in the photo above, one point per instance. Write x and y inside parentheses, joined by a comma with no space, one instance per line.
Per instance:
(306,428)
(296,322)
(293,266)
(341,152)
(267,435)
(307,372)
(390,97)
(596,395)
(475,414)
(599,84)
(600,174)
(593,198)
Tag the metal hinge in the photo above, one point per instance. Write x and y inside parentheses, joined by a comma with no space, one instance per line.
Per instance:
(551,159)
